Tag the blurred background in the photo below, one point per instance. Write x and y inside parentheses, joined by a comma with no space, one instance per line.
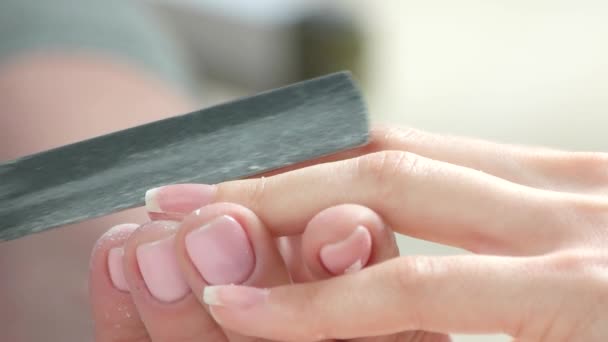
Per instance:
(530,72)
(518,71)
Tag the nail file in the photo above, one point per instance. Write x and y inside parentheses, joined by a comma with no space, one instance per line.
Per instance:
(234,140)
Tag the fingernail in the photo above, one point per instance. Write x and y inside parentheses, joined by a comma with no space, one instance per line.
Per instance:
(348,255)
(160,270)
(232,296)
(221,251)
(179,198)
(116,270)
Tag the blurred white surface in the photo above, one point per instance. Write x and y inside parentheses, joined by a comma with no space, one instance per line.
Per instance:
(522,71)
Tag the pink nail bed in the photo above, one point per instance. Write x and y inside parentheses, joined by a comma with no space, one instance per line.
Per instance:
(116,270)
(221,251)
(348,255)
(160,270)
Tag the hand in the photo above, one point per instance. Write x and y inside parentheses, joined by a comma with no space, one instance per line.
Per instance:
(539,212)
(535,218)
(147,282)
(127,308)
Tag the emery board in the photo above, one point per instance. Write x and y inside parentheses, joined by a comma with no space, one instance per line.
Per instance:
(234,140)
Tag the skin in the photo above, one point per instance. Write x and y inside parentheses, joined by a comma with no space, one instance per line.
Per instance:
(533,219)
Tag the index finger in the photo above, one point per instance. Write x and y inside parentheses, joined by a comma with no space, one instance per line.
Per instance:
(417,196)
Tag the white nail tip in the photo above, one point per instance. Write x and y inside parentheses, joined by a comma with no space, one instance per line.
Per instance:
(355,267)
(210,296)
(152,202)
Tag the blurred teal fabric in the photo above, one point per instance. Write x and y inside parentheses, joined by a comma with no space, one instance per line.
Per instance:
(123,30)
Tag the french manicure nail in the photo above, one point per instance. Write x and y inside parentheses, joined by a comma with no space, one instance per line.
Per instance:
(116,270)
(232,296)
(221,251)
(160,270)
(179,198)
(348,255)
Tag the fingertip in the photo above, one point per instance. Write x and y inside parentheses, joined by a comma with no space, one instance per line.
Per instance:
(151,265)
(344,239)
(114,313)
(106,248)
(226,243)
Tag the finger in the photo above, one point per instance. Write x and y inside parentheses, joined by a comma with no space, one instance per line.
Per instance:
(114,313)
(185,198)
(164,301)
(225,243)
(534,167)
(531,166)
(416,196)
(344,239)
(458,294)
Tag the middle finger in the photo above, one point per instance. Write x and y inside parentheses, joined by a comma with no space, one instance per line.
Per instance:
(417,196)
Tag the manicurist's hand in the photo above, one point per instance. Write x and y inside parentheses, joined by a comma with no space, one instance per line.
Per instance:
(535,219)
(147,282)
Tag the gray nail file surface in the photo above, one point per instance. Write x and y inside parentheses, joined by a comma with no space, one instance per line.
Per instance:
(229,141)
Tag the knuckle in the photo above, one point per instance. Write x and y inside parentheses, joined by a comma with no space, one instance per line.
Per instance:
(398,137)
(384,167)
(411,271)
(404,273)
(250,192)
(411,275)
(258,191)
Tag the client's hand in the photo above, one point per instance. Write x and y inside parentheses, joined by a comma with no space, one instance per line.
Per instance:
(147,282)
